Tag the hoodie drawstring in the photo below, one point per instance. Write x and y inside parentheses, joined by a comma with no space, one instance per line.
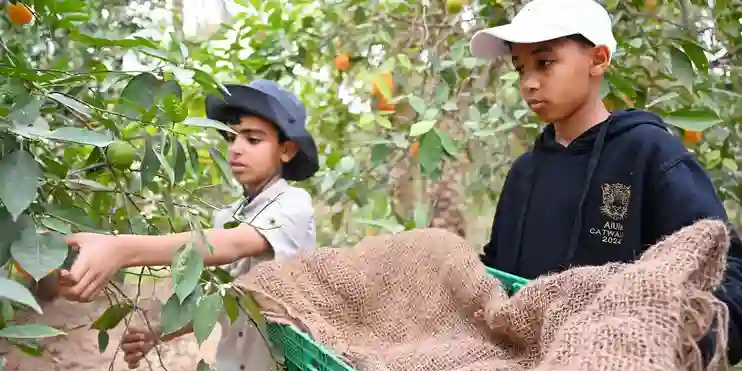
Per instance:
(574,238)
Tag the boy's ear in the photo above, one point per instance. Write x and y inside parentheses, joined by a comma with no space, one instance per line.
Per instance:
(288,151)
(601,59)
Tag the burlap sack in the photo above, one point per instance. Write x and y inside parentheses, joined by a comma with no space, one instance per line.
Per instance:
(421,300)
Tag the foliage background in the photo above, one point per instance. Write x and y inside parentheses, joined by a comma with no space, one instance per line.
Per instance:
(85,74)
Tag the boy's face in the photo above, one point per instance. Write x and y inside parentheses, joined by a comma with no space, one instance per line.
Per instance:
(255,154)
(558,76)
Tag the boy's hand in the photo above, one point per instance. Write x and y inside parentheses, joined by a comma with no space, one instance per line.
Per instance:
(136,343)
(99,258)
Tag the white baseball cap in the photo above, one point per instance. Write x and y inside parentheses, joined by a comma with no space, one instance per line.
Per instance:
(543,20)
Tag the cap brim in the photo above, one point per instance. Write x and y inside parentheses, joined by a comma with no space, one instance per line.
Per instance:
(492,42)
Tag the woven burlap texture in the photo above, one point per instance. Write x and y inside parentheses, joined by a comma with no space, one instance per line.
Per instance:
(421,300)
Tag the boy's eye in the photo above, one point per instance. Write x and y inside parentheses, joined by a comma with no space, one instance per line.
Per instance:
(545,63)
(253,140)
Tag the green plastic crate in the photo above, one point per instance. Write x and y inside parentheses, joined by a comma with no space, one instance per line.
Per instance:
(301,353)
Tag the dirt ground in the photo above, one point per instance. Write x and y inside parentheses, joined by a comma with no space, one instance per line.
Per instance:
(78,351)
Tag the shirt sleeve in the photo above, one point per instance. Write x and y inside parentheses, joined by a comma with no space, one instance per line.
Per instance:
(682,195)
(287,223)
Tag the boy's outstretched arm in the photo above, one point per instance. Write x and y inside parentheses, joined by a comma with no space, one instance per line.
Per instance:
(101,256)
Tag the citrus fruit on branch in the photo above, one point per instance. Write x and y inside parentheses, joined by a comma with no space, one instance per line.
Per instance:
(19,13)
(121,155)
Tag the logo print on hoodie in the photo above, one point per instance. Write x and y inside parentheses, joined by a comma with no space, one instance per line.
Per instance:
(616,198)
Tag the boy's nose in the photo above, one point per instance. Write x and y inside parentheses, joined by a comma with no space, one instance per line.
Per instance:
(529,83)
(235,149)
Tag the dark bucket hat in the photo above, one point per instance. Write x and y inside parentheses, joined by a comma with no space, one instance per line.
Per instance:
(271,102)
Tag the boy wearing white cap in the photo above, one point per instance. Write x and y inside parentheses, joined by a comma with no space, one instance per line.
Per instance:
(598,186)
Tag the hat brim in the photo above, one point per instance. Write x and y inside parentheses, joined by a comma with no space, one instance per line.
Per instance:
(255,102)
(493,42)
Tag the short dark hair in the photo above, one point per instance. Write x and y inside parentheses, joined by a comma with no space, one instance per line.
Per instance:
(578,38)
(232,115)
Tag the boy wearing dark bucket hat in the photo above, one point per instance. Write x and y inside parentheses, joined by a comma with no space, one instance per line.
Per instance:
(275,219)
(598,186)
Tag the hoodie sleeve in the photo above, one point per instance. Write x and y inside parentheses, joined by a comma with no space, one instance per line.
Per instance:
(506,204)
(683,194)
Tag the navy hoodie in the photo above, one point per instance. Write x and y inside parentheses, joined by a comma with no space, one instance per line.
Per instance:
(606,197)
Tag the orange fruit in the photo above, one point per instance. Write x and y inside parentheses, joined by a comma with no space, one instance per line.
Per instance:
(692,137)
(19,13)
(650,5)
(21,271)
(383,78)
(414,148)
(384,106)
(342,62)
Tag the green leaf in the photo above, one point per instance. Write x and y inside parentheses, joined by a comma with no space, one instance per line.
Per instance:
(449,144)
(222,165)
(138,95)
(420,215)
(18,293)
(252,307)
(202,366)
(82,136)
(10,232)
(417,103)
(187,266)
(27,113)
(55,225)
(66,134)
(730,164)
(430,152)
(103,339)
(72,103)
(404,60)
(99,42)
(682,69)
(378,154)
(421,127)
(383,122)
(179,166)
(208,123)
(74,216)
(29,331)
(230,306)
(166,167)
(697,55)
(207,314)
(39,254)
(175,316)
(693,119)
(112,316)
(25,172)
(150,163)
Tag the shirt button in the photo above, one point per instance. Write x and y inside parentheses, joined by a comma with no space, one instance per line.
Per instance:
(239,334)
(242,367)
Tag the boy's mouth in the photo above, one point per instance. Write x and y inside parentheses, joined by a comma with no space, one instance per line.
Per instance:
(236,166)
(535,104)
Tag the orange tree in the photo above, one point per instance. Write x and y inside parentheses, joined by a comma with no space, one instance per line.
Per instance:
(390,87)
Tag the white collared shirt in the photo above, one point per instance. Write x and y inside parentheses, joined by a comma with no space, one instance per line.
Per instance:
(284,215)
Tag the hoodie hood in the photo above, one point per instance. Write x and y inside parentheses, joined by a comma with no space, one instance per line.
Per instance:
(618,123)
(592,141)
